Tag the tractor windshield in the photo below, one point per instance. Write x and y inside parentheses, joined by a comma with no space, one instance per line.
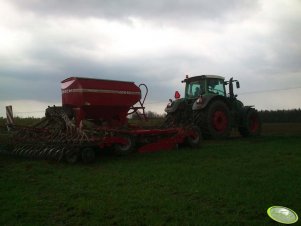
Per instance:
(195,89)
(216,86)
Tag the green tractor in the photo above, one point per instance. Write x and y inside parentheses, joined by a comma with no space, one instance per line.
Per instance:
(208,105)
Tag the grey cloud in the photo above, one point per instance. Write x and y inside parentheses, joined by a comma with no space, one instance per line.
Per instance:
(52,58)
(155,10)
(43,84)
(275,54)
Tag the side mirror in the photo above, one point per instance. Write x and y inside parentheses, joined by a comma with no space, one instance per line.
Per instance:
(237,85)
(177,95)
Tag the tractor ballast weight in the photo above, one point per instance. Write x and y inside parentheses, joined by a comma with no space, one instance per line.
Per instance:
(93,116)
(216,112)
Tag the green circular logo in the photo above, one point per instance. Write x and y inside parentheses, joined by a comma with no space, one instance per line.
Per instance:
(282,214)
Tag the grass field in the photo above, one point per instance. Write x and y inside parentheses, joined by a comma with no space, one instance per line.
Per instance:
(228,182)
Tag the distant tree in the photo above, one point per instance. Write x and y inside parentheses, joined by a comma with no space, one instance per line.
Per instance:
(149,114)
(279,116)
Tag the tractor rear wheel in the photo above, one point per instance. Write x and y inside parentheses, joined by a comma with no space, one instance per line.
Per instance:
(252,124)
(214,121)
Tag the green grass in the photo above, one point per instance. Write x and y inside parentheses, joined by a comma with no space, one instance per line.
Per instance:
(230,182)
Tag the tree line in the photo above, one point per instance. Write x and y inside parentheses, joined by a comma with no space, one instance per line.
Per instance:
(280,116)
(267,116)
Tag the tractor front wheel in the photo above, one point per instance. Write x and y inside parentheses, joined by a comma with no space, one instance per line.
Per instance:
(251,124)
(169,120)
(175,119)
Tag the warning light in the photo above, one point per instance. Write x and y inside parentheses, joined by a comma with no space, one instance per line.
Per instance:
(177,95)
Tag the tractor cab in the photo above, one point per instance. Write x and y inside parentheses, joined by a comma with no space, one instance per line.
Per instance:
(204,85)
(208,85)
(199,90)
(196,88)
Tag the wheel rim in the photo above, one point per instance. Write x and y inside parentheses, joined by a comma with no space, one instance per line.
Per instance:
(220,121)
(125,147)
(254,123)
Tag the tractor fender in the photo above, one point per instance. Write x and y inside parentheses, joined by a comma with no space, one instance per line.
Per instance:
(203,101)
(245,109)
(174,105)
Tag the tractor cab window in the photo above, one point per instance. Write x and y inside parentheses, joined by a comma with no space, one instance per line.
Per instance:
(195,89)
(216,86)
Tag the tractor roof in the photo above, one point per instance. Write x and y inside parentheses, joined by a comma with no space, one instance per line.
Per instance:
(200,77)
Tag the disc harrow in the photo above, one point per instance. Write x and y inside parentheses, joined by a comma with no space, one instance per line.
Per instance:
(54,138)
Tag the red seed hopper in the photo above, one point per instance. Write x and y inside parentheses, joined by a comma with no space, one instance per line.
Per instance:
(99,99)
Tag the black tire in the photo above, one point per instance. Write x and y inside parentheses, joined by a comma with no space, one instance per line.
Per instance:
(251,124)
(71,156)
(195,139)
(200,119)
(214,121)
(88,155)
(125,149)
(169,121)
(174,119)
(180,117)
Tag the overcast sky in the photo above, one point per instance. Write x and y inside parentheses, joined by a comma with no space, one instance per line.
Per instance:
(152,42)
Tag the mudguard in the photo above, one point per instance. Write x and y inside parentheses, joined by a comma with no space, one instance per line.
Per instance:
(205,100)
